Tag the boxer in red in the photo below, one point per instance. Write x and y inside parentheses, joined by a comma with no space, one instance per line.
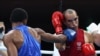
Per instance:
(79,42)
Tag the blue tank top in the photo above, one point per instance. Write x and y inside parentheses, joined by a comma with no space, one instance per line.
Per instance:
(30,46)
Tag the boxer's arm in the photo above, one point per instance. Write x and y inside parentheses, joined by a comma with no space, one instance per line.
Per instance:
(60,46)
(91,40)
(50,37)
(89,37)
(8,42)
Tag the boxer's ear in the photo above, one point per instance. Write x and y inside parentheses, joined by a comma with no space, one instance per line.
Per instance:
(77,17)
(25,21)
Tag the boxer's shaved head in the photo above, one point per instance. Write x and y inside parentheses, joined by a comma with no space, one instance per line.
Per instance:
(70,12)
(71,18)
(18,15)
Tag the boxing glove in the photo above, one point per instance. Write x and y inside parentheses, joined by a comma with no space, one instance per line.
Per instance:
(88,49)
(57,18)
(70,34)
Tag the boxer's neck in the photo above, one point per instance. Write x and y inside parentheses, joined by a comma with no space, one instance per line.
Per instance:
(16,24)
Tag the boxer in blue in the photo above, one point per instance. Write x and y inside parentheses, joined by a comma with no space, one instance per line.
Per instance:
(23,40)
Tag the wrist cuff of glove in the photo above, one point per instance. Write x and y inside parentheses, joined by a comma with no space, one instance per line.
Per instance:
(59,30)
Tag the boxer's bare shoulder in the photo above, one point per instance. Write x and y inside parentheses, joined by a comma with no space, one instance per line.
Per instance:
(9,42)
(34,33)
(8,35)
(14,36)
(39,30)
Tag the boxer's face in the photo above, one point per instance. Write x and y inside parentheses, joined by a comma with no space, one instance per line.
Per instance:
(71,21)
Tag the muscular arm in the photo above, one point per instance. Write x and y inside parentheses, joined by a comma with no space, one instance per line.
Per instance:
(90,39)
(11,49)
(60,46)
(50,37)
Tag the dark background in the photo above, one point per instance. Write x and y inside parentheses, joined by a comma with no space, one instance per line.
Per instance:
(40,12)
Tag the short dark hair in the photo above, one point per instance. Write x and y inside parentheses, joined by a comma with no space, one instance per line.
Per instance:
(18,15)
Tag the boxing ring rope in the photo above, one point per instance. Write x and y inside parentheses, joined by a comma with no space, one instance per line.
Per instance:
(47,51)
(97,51)
(56,53)
(52,52)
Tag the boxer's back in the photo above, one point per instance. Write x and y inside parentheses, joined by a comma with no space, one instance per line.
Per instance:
(17,36)
(24,40)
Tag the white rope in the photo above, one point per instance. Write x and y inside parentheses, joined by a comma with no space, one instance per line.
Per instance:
(97,51)
(47,52)
(52,52)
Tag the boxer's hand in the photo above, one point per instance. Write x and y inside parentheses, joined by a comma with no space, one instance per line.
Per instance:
(88,49)
(70,34)
(57,18)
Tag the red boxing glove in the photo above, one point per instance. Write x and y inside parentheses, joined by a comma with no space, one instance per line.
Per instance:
(57,18)
(88,49)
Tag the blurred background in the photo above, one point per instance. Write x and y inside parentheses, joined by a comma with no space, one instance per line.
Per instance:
(40,12)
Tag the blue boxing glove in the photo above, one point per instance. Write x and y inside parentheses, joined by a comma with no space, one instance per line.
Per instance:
(70,34)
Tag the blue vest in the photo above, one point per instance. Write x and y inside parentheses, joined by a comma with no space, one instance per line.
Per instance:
(30,46)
